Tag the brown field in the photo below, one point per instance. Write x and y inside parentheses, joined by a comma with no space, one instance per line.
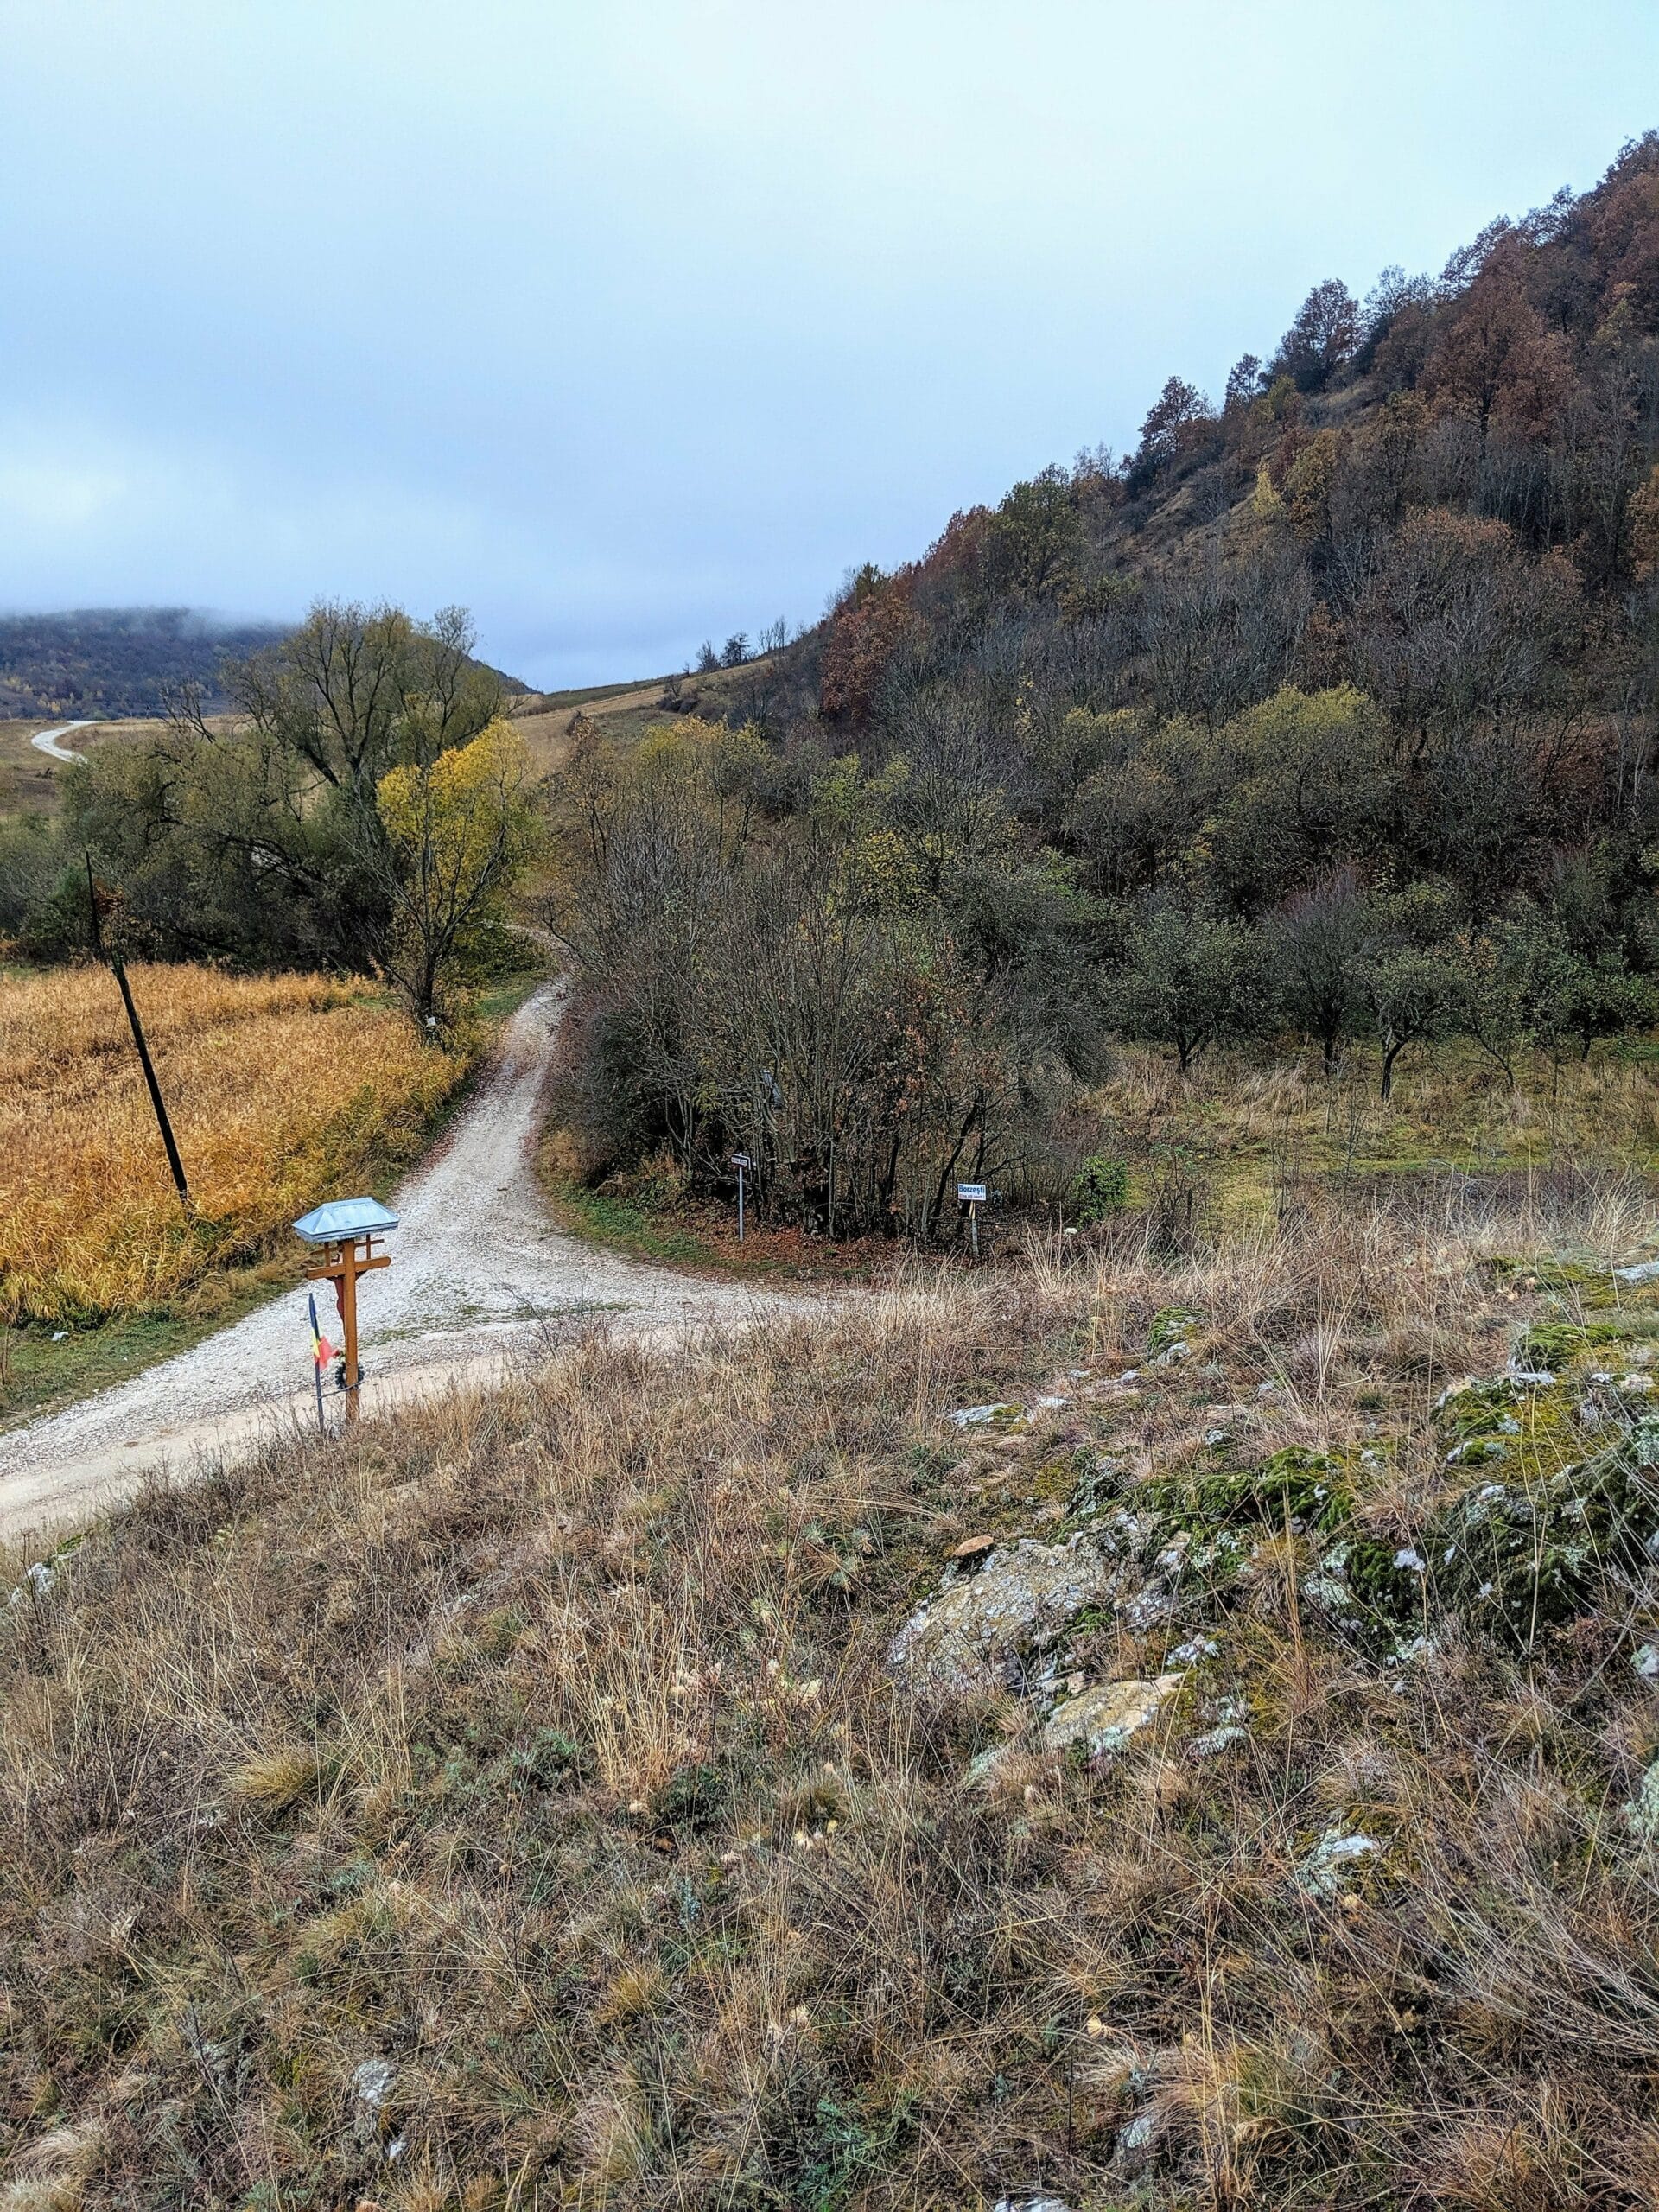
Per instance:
(276,1087)
(623,711)
(32,784)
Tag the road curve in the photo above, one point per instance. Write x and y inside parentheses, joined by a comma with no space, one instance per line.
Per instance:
(478,1276)
(45,740)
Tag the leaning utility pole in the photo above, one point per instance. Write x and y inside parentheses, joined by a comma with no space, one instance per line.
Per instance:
(118,969)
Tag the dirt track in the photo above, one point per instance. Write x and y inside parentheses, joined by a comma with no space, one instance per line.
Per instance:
(478,1276)
(45,740)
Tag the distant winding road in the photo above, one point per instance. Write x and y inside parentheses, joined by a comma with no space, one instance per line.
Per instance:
(479,1274)
(45,740)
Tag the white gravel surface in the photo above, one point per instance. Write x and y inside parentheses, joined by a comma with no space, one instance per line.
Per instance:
(478,1277)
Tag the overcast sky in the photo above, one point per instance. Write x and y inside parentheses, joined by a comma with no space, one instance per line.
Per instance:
(629,322)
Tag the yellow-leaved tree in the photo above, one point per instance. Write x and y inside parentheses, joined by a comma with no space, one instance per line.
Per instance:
(457,831)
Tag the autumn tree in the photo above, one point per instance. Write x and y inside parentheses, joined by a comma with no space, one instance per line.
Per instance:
(1319,941)
(456,827)
(1179,411)
(1322,338)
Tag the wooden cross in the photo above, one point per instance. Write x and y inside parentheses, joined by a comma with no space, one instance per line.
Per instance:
(341,1264)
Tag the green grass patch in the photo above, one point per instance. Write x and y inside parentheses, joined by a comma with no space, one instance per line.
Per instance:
(38,1376)
(603,1218)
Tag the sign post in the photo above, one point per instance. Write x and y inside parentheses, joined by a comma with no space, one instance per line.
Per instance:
(972,1195)
(343,1232)
(741,1161)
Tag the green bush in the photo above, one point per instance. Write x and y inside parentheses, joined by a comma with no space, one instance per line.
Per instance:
(1101,1187)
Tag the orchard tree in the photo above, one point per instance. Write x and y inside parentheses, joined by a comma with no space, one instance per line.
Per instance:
(1412,992)
(1184,981)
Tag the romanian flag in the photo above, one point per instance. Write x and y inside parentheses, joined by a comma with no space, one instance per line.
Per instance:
(321,1350)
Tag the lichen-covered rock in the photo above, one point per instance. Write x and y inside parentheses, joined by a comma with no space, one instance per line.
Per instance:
(1000,1416)
(1171,1325)
(981,1627)
(1101,1720)
(1515,1558)
(1363,1584)
(1470,1410)
(1230,1726)
(1642,1811)
(1295,1486)
(373,2083)
(1334,1861)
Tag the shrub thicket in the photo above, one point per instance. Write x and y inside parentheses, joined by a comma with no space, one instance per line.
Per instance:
(1329,714)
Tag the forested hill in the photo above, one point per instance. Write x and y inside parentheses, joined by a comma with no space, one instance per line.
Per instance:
(115,661)
(1443,494)
(1326,717)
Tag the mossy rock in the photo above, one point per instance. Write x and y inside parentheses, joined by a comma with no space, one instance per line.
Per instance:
(1551,1345)
(1170,1326)
(1549,1273)
(1516,1561)
(1481,1409)
(1098,1480)
(1389,1591)
(1555,1345)
(1294,1484)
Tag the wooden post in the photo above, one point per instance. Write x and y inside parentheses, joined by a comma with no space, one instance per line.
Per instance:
(341,1264)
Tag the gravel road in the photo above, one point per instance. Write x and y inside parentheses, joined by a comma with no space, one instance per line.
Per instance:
(45,740)
(477,1276)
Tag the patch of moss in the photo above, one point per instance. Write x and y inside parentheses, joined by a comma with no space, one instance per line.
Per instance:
(1549,1273)
(1381,1583)
(1517,1559)
(1555,1345)
(1294,1484)
(1170,1326)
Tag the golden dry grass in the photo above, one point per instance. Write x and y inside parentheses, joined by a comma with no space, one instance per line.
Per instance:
(541,1752)
(278,1088)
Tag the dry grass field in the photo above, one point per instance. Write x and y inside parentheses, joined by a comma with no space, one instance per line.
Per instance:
(524,1803)
(621,712)
(29,781)
(277,1088)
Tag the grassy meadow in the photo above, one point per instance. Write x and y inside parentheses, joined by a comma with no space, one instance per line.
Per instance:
(567,1833)
(278,1088)
(1239,1129)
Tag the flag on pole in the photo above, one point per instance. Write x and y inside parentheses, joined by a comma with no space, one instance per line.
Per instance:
(321,1352)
